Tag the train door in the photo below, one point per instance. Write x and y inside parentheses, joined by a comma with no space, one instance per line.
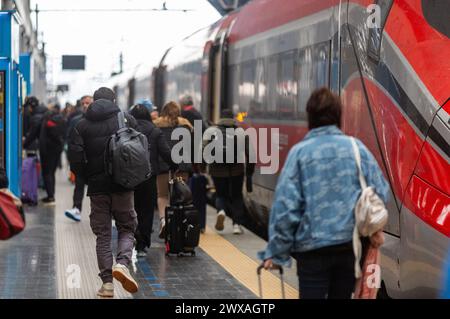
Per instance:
(217,73)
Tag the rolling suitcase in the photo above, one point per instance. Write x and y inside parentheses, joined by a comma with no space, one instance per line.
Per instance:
(30,181)
(182,221)
(198,184)
(258,272)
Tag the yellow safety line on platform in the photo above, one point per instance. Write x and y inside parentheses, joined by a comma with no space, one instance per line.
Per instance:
(242,267)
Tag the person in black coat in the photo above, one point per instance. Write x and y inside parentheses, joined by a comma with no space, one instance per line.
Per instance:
(109,200)
(189,112)
(46,133)
(145,194)
(51,144)
(33,130)
(74,213)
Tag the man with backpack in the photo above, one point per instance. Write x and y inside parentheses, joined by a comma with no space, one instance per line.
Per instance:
(89,150)
(228,176)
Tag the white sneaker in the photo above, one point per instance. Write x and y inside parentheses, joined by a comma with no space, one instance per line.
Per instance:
(107,290)
(141,253)
(73,214)
(237,229)
(220,220)
(122,274)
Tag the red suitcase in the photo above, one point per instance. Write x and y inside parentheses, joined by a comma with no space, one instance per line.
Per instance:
(12,219)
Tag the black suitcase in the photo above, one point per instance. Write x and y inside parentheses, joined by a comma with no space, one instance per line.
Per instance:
(182,227)
(198,184)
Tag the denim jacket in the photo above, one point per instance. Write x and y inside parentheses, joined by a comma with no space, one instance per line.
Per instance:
(316,194)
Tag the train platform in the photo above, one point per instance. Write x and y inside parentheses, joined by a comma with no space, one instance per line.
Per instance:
(54,257)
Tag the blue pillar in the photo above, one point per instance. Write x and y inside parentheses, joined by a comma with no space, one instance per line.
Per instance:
(12,107)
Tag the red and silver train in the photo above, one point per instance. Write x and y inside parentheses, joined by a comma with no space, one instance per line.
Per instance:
(265,59)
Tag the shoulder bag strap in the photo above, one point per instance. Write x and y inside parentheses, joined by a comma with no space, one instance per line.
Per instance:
(362,180)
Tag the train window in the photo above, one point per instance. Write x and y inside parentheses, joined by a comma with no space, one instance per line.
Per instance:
(247,85)
(375,33)
(287,86)
(437,14)
(314,70)
(306,85)
(271,111)
(321,61)
(256,109)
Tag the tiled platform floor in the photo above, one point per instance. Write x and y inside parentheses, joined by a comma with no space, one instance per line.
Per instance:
(35,264)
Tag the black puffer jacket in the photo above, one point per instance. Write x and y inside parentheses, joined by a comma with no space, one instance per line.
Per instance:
(87,145)
(157,143)
(53,132)
(31,142)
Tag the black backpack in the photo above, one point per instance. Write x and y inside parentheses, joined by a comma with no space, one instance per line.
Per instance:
(127,156)
(231,139)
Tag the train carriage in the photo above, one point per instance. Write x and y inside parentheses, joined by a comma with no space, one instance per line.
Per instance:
(264,60)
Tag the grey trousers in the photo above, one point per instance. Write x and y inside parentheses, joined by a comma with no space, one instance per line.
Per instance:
(119,206)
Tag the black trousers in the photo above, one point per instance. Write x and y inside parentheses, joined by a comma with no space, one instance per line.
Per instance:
(145,201)
(229,196)
(78,192)
(49,163)
(326,272)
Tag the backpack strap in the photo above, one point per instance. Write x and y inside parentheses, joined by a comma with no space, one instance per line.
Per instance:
(356,153)
(121,119)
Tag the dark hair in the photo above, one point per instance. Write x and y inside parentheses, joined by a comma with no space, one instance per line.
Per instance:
(226,114)
(323,108)
(104,93)
(32,101)
(140,112)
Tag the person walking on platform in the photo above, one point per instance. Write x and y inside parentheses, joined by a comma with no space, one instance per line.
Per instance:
(78,193)
(169,120)
(109,200)
(189,112)
(145,194)
(312,214)
(228,177)
(49,129)
(32,131)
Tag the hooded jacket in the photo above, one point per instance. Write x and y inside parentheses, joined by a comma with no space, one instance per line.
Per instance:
(87,145)
(167,128)
(31,142)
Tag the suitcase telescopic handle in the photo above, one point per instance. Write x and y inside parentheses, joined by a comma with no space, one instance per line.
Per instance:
(274,267)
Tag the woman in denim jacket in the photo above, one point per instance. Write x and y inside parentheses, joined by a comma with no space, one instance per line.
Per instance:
(312,215)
